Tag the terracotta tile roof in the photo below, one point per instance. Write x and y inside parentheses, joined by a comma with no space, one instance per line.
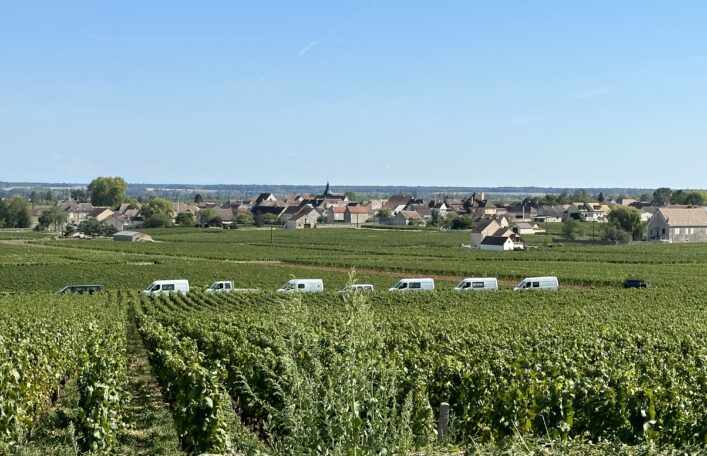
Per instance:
(411,215)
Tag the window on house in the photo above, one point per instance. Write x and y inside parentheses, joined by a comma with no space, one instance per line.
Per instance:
(676,231)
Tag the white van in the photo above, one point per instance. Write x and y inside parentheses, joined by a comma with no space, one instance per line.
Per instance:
(414,285)
(167,286)
(303,285)
(221,286)
(538,283)
(478,284)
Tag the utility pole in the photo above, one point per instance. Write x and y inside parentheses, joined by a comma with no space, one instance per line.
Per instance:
(592,228)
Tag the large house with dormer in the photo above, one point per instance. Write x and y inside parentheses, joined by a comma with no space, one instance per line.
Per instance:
(587,212)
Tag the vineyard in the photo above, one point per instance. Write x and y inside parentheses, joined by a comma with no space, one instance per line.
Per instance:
(592,369)
(49,340)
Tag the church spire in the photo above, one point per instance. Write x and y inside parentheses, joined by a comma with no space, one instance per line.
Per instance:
(327,190)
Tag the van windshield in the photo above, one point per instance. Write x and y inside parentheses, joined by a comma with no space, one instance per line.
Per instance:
(401,285)
(149,287)
(288,286)
(463,284)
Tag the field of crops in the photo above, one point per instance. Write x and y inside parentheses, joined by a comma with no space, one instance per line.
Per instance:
(591,369)
(46,341)
(254,261)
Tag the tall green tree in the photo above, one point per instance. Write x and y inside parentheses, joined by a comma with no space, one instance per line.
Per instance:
(184,219)
(132,202)
(80,195)
(54,217)
(244,218)
(198,199)
(662,196)
(107,191)
(206,216)
(580,196)
(627,219)
(158,212)
(689,197)
(384,213)
(16,213)
(613,233)
(463,222)
(570,228)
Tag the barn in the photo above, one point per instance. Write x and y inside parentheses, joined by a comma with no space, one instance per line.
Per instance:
(131,236)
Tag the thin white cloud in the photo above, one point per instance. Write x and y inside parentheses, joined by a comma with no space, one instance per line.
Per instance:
(311,45)
(327,38)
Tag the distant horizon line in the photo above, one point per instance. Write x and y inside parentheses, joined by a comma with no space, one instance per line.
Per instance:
(179,186)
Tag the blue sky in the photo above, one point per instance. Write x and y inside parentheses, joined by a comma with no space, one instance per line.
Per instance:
(554,93)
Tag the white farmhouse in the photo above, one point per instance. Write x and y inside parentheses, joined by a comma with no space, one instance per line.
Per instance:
(498,243)
(588,212)
(306,218)
(482,229)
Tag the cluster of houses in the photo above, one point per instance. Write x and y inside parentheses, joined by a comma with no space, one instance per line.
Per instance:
(77,213)
(495,226)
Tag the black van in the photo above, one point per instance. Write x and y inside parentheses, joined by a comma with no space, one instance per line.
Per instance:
(635,283)
(81,289)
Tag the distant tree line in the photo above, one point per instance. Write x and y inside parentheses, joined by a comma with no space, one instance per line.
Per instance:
(665,195)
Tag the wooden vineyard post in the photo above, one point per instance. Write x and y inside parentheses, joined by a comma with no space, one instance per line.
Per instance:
(443,427)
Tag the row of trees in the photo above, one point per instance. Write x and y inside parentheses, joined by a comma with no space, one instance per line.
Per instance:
(158,213)
(659,197)
(665,195)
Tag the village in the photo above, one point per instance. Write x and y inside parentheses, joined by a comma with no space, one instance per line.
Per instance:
(493,225)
